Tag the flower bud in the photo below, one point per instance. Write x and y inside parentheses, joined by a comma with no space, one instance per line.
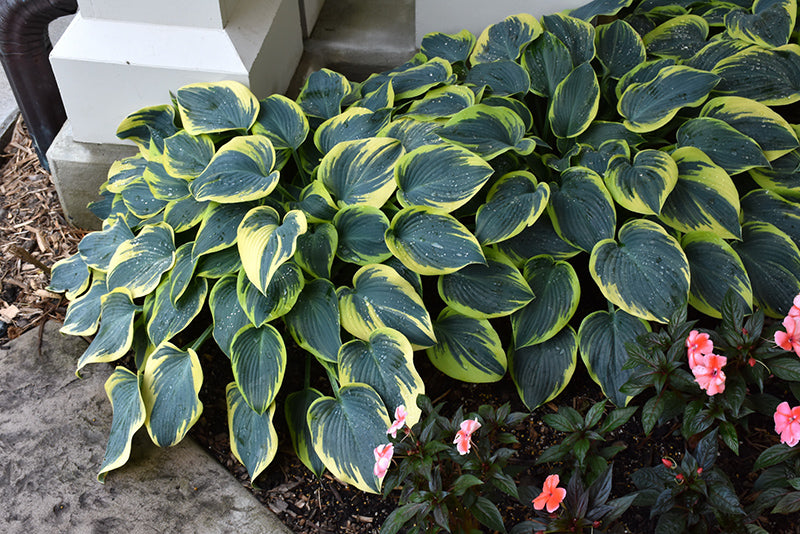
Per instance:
(679,478)
(668,463)
(699,470)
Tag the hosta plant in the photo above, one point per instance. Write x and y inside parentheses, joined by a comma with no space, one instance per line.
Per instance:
(628,156)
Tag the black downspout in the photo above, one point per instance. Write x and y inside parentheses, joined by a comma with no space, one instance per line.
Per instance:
(24,51)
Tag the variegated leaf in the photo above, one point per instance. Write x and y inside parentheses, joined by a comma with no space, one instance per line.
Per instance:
(115,334)
(487,131)
(83,313)
(313,322)
(514,202)
(253,439)
(122,389)
(644,185)
(228,315)
(581,208)
(361,232)
(540,372)
(216,107)
(138,263)
(505,39)
(282,121)
(258,359)
(281,295)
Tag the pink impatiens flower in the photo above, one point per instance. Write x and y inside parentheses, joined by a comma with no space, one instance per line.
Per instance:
(787,423)
(789,340)
(708,373)
(551,495)
(464,436)
(794,311)
(399,422)
(698,344)
(383,456)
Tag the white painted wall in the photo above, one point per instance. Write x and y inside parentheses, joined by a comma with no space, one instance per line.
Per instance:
(452,16)
(197,13)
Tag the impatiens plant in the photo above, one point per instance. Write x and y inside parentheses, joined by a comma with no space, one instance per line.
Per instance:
(461,204)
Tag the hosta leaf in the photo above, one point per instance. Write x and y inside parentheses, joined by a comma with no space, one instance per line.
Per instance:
(495,289)
(766,127)
(548,62)
(600,132)
(540,372)
(517,107)
(557,291)
(771,77)
(316,249)
(361,171)
(581,208)
(772,261)
(295,409)
(240,171)
(170,386)
(321,96)
(679,37)
(122,389)
(316,202)
(115,334)
(643,186)
(601,340)
(313,322)
(578,35)
(381,297)
(258,359)
(642,73)
(441,102)
(650,105)
(619,48)
(281,294)
(386,363)
(154,122)
(282,121)
(186,155)
(218,264)
(97,248)
(452,47)
(166,319)
(346,430)
(124,171)
(704,198)
(766,206)
(769,25)
(184,214)
(253,439)
(138,263)
(467,348)
(594,8)
(163,185)
(413,133)
(646,273)
(430,242)
(265,243)
(505,39)
(361,232)
(715,269)
(380,98)
(83,313)
(575,102)
(355,123)
(219,229)
(504,77)
(784,176)
(181,274)
(513,203)
(414,80)
(444,177)
(598,160)
(715,51)
(723,144)
(227,313)
(488,131)
(140,201)
(216,107)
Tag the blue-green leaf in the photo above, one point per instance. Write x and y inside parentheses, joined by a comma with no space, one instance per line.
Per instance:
(122,388)
(575,102)
(540,372)
(138,263)
(313,322)
(578,35)
(282,121)
(216,107)
(581,208)
(727,147)
(619,48)
(548,62)
(227,313)
(505,39)
(253,439)
(115,335)
(514,202)
(488,131)
(258,359)
(361,231)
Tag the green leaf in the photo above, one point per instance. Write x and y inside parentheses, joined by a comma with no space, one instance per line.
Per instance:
(594,8)
(464,482)
(346,430)
(227,313)
(600,132)
(444,177)
(265,243)
(412,80)
(280,296)
(575,102)
(705,197)
(505,39)
(486,291)
(219,229)
(581,208)
(504,77)
(218,264)
(783,177)
(361,230)
(514,202)
(452,47)
(769,76)
(774,455)
(97,248)
(163,185)
(772,261)
(186,155)
(125,171)
(487,513)
(258,359)
(316,249)
(467,348)
(769,207)
(355,123)
(723,144)
(540,372)
(184,214)
(441,102)
(361,171)
(138,263)
(165,319)
(154,122)
(548,62)
(646,273)
(381,297)
(557,291)
(322,94)
(240,171)
(122,388)
(140,201)
(788,504)
(715,51)
(619,48)
(650,105)
(715,269)
(71,275)
(643,186)
(182,271)
(296,409)
(83,313)
(386,363)
(253,439)
(216,107)
(413,133)
(578,35)
(679,37)
(282,121)
(313,322)
(769,25)
(430,242)
(601,339)
(487,131)
(170,385)
(380,98)
(316,202)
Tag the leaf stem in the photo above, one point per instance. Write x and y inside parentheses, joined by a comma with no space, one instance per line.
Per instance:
(299,164)
(202,339)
